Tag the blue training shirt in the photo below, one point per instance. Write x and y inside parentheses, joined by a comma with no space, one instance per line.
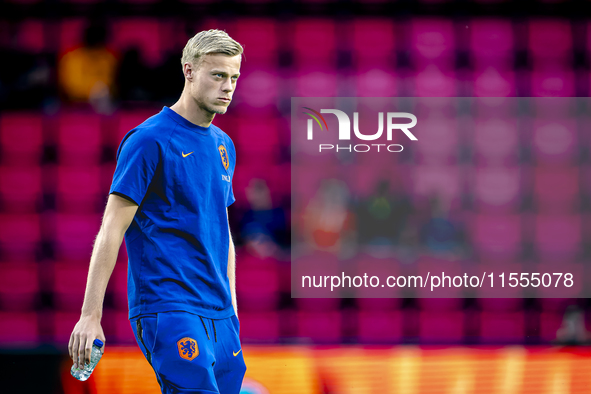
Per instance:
(180,175)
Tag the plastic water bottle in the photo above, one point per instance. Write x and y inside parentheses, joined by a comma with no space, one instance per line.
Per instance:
(95,356)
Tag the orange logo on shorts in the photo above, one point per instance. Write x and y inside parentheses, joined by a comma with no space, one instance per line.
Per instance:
(188,348)
(224,155)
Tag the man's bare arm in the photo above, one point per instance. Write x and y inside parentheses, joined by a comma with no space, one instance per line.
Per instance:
(232,269)
(118,215)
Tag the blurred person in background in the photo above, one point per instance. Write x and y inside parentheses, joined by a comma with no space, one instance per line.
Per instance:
(572,331)
(88,73)
(440,234)
(263,228)
(328,220)
(169,196)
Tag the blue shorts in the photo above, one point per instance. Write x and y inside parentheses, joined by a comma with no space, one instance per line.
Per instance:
(190,353)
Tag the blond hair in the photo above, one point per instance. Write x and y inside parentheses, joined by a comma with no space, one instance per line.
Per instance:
(207,42)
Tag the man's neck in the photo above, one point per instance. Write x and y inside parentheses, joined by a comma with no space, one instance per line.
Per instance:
(188,109)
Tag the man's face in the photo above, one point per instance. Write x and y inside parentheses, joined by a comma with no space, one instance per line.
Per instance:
(214,80)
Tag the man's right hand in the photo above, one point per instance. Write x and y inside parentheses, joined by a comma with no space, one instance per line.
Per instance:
(85,332)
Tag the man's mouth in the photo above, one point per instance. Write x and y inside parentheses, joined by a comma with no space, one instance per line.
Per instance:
(225,100)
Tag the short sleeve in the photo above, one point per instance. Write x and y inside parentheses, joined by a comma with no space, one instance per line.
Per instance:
(232,155)
(137,159)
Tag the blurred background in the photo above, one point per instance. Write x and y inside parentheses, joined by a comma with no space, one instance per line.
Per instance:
(76,75)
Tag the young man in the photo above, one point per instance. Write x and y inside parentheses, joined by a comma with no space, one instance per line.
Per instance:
(169,197)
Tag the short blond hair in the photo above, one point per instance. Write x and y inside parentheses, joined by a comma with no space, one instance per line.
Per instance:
(207,42)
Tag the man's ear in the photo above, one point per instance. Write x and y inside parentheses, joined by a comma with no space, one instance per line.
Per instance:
(188,71)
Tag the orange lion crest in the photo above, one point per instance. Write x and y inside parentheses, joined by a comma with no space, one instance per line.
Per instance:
(188,348)
(224,155)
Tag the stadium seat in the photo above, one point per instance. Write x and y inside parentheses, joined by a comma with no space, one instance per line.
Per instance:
(259,91)
(441,327)
(432,81)
(376,82)
(20,189)
(320,326)
(373,44)
(71,34)
(432,42)
(257,284)
(31,36)
(19,286)
(491,43)
(550,322)
(492,82)
(555,141)
(121,328)
(259,326)
(79,189)
(69,284)
(258,141)
(439,180)
(259,37)
(142,33)
(374,298)
(550,42)
(502,327)
(553,83)
(314,43)
(79,139)
(556,190)
(439,140)
(74,235)
(21,138)
(379,326)
(316,82)
(557,236)
(20,235)
(126,121)
(496,189)
(63,323)
(496,141)
(496,235)
(118,286)
(19,329)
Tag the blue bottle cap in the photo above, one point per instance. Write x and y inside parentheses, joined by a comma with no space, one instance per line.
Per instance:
(98,343)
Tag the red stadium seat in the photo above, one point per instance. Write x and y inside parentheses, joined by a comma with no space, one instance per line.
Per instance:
(257,284)
(550,322)
(79,189)
(19,329)
(19,236)
(314,42)
(491,43)
(496,141)
(63,324)
(432,42)
(432,81)
(380,326)
(441,327)
(373,42)
(121,328)
(555,141)
(31,36)
(316,82)
(320,326)
(439,140)
(258,142)
(496,189)
(502,327)
(437,179)
(74,235)
(21,138)
(71,34)
(259,37)
(79,140)
(501,304)
(69,284)
(143,33)
(556,190)
(259,91)
(259,326)
(558,236)
(19,286)
(550,42)
(126,121)
(492,82)
(20,188)
(553,83)
(376,82)
(496,235)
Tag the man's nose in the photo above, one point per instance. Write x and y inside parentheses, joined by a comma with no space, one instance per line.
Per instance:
(227,86)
